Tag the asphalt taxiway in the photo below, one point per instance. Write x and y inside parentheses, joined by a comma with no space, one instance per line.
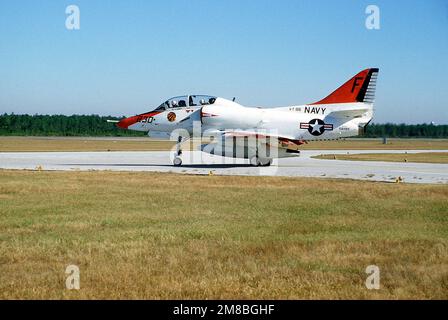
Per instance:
(196,162)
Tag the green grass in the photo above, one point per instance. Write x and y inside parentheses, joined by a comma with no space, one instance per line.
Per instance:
(160,236)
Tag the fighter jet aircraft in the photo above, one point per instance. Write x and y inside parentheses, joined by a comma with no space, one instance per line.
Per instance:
(274,132)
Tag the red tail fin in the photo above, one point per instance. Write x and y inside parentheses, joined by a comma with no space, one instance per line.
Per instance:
(360,88)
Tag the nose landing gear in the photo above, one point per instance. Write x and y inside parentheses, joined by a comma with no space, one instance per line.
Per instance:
(177,161)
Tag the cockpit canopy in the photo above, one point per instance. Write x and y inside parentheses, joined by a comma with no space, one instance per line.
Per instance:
(186,101)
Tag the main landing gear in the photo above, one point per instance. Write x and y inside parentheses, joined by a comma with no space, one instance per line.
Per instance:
(260,162)
(254,161)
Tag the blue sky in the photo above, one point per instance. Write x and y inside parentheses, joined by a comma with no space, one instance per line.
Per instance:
(128,56)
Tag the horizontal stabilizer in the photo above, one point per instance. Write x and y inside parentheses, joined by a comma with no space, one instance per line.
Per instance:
(349,113)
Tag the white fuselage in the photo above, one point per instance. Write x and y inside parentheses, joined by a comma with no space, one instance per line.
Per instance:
(292,122)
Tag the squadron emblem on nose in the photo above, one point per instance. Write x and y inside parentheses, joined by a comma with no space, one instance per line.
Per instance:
(171,116)
(316,126)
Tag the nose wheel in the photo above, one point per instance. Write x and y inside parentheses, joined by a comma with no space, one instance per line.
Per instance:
(177,162)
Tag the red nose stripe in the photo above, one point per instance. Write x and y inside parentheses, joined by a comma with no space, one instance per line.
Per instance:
(126,122)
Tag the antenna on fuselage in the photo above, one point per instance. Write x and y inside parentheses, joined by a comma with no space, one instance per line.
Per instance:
(233,99)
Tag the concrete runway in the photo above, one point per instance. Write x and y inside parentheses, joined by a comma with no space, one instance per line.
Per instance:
(197,162)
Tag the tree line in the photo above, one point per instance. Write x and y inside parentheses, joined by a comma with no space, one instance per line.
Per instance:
(402,130)
(95,125)
(61,125)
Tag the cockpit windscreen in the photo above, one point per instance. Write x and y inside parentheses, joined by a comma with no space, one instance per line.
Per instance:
(186,101)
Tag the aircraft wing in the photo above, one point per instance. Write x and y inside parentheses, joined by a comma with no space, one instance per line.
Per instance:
(271,138)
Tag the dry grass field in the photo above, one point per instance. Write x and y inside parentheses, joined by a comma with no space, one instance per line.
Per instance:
(159,236)
(41,144)
(18,144)
(423,157)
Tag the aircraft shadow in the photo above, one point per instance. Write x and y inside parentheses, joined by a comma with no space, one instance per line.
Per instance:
(192,166)
(209,166)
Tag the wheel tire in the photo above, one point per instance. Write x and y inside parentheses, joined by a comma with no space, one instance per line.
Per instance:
(267,162)
(177,162)
(255,162)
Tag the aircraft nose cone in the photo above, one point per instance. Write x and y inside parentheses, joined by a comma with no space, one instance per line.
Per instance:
(126,122)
